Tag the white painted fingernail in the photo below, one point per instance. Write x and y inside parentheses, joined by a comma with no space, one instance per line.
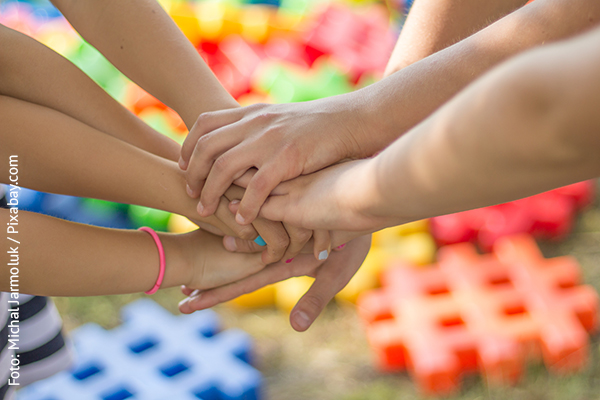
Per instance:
(323,255)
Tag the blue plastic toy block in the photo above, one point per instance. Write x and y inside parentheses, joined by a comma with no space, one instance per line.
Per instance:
(72,209)
(155,355)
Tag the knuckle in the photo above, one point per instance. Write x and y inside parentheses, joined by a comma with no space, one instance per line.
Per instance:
(203,118)
(261,184)
(290,150)
(264,116)
(302,236)
(245,232)
(202,144)
(281,241)
(314,302)
(221,163)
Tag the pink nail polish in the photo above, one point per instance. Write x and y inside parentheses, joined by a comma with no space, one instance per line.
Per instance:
(289,260)
(341,246)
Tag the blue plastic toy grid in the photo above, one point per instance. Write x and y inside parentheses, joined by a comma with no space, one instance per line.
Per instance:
(155,355)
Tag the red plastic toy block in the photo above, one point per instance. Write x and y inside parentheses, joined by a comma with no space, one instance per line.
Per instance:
(548,215)
(361,40)
(233,61)
(487,313)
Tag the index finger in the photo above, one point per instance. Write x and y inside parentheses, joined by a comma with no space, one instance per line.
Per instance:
(206,122)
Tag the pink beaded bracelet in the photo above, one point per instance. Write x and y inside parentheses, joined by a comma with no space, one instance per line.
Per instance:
(161,256)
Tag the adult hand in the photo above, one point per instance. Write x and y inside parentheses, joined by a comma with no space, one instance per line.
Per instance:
(282,141)
(343,197)
(330,276)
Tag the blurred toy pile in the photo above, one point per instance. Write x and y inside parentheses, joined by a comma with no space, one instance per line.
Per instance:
(298,50)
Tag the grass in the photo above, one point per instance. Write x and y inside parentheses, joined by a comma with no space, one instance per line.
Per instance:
(332,361)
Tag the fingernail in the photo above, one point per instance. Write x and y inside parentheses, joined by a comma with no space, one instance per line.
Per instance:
(182,163)
(195,299)
(239,219)
(235,202)
(289,260)
(230,243)
(341,246)
(200,208)
(302,320)
(189,191)
(260,241)
(184,301)
(323,255)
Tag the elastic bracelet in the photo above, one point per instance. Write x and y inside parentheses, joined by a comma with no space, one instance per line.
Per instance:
(161,256)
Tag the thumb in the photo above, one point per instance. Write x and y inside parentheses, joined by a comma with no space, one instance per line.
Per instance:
(238,245)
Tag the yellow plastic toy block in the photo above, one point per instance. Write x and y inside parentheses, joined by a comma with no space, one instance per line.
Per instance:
(185,17)
(290,291)
(179,224)
(263,297)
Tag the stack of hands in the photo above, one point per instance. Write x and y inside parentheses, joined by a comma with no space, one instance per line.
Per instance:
(250,161)
(294,189)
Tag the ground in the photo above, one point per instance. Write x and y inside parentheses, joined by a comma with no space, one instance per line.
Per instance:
(332,361)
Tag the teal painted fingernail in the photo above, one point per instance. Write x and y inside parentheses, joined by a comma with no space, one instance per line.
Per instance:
(323,255)
(260,241)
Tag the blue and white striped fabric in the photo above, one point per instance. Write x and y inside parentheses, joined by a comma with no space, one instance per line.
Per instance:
(42,350)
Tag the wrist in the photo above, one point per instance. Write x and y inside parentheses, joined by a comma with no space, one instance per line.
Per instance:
(178,266)
(378,205)
(367,132)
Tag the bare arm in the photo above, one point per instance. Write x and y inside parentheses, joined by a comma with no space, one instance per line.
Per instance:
(63,155)
(528,126)
(433,25)
(143,42)
(52,81)
(287,140)
(70,259)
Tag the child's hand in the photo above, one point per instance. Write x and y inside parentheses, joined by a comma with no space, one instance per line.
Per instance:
(283,141)
(210,265)
(331,276)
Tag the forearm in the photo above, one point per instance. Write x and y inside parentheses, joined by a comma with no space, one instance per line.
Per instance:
(59,154)
(60,258)
(142,41)
(433,25)
(526,127)
(402,100)
(52,81)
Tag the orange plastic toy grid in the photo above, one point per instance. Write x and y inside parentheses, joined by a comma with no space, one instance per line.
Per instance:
(475,312)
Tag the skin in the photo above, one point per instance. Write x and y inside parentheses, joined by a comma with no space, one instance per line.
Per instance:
(105,152)
(330,277)
(136,33)
(284,141)
(528,126)
(83,260)
(433,25)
